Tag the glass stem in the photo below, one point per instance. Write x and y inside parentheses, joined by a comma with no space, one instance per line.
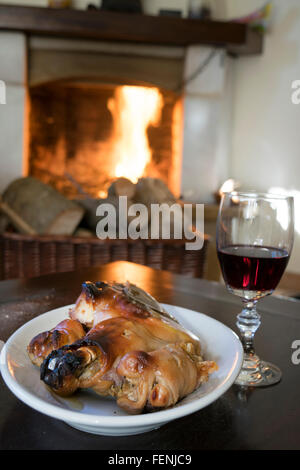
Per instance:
(248,321)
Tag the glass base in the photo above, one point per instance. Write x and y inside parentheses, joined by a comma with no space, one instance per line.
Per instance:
(258,374)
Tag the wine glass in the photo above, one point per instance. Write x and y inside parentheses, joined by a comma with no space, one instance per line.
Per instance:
(254,241)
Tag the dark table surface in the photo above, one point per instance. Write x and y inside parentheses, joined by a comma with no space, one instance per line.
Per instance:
(262,418)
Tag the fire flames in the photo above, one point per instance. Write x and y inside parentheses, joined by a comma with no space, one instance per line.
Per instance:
(114,131)
(133,108)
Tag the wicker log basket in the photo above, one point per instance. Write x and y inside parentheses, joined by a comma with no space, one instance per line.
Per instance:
(25,256)
(32,209)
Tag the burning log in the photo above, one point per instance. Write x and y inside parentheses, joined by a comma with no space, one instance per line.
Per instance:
(36,208)
(122,187)
(147,191)
(153,191)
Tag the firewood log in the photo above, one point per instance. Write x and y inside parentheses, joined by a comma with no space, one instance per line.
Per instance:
(83,233)
(153,191)
(11,216)
(42,209)
(91,218)
(122,187)
(4,222)
(90,206)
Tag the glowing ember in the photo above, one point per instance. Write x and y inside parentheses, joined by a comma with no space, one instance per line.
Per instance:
(102,194)
(133,108)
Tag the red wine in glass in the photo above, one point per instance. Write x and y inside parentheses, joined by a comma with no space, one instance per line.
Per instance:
(252,268)
(254,241)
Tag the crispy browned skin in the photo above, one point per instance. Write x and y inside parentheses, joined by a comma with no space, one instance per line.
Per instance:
(160,378)
(134,353)
(92,361)
(100,301)
(66,332)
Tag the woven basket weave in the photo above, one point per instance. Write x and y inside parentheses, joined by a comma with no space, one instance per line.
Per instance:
(25,256)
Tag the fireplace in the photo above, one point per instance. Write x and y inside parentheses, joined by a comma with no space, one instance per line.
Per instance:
(44,49)
(75,83)
(83,135)
(67,129)
(63,99)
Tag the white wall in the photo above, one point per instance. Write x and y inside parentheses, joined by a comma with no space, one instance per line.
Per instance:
(12,114)
(266,125)
(239,8)
(207,124)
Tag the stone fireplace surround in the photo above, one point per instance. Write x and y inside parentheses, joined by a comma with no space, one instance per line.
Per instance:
(206,98)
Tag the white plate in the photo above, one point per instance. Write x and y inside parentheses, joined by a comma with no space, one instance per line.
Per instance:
(91,413)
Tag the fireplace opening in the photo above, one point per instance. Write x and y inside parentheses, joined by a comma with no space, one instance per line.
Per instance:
(83,135)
